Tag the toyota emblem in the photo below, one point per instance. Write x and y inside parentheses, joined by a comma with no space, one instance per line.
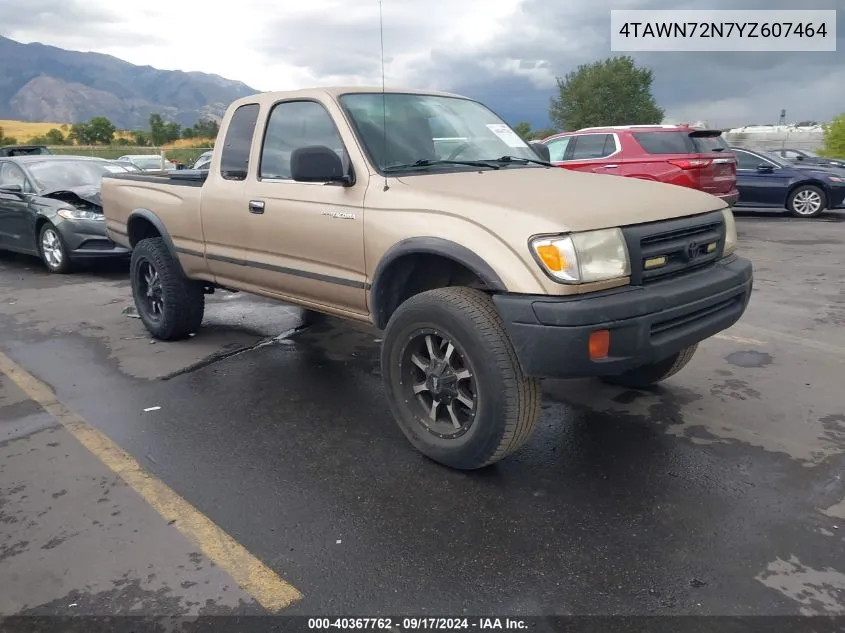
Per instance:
(692,250)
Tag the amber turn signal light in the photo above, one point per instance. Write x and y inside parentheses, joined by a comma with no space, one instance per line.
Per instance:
(599,344)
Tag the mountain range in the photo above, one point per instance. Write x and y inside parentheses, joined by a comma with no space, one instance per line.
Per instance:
(45,83)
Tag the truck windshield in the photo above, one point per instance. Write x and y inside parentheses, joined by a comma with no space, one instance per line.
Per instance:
(411,132)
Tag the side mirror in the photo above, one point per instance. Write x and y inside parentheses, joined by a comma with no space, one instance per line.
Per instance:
(799,157)
(541,150)
(318,163)
(15,190)
(765,169)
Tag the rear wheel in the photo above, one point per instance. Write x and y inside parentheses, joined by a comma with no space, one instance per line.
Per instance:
(649,375)
(453,381)
(807,201)
(170,305)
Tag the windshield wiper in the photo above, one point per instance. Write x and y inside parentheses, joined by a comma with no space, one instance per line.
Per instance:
(519,160)
(431,163)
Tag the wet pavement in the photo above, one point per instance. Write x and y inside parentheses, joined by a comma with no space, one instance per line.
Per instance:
(719,492)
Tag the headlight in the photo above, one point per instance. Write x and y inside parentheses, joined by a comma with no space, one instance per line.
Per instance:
(730,232)
(78,214)
(580,258)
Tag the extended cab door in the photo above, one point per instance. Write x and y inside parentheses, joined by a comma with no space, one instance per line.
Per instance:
(302,241)
(223,202)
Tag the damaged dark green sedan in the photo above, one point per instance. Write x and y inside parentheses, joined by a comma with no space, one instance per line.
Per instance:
(50,207)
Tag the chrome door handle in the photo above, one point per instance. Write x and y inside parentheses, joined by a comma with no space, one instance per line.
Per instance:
(611,166)
(256,206)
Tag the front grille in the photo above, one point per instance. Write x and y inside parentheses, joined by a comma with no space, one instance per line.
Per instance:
(674,247)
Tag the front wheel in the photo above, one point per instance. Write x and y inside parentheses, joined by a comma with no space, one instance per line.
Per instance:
(53,250)
(649,375)
(453,380)
(807,201)
(170,305)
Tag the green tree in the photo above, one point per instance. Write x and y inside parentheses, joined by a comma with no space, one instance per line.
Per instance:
(37,140)
(613,91)
(101,130)
(55,137)
(834,138)
(81,134)
(123,141)
(141,139)
(7,140)
(161,132)
(172,132)
(523,128)
(157,132)
(206,128)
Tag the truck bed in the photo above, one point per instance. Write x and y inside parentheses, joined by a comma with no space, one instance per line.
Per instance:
(183,177)
(149,197)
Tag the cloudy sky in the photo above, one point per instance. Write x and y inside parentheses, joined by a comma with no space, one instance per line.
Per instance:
(504,52)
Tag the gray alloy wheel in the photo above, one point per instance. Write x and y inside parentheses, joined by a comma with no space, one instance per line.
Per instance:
(52,249)
(807,201)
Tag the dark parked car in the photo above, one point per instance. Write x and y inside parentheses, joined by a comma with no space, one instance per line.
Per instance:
(50,207)
(804,157)
(24,150)
(766,180)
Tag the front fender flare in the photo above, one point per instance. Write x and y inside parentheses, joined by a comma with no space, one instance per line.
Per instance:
(432,246)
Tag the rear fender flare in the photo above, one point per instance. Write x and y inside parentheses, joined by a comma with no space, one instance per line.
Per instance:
(153,219)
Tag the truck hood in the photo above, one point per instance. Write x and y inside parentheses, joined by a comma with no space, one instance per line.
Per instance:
(560,198)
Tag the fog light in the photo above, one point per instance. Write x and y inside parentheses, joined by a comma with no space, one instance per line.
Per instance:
(599,344)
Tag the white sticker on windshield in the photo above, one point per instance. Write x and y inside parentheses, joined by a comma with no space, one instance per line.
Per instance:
(510,137)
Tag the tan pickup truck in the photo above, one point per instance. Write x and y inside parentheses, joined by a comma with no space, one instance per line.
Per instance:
(425,214)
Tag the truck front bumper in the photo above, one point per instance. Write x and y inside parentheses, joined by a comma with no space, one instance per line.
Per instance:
(646,323)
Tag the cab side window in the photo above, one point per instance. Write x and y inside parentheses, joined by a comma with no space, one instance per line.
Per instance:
(11,174)
(293,125)
(557,148)
(592,146)
(234,160)
(744,160)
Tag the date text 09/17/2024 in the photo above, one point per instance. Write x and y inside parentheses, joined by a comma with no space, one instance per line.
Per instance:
(418,623)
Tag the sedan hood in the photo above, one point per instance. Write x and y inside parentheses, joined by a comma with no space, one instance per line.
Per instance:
(555,197)
(75,195)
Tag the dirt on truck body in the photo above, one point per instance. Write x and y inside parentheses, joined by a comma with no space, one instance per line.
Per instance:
(425,214)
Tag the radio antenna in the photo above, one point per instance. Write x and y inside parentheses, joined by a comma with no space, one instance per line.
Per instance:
(383,96)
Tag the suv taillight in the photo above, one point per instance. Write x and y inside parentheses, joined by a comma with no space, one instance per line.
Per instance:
(691,163)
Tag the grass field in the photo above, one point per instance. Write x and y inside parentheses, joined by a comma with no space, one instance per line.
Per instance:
(22,131)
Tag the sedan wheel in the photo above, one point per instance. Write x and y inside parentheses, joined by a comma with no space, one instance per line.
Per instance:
(53,252)
(807,202)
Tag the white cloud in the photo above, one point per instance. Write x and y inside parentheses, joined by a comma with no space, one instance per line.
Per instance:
(483,46)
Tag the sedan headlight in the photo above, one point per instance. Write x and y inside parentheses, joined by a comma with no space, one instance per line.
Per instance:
(730,232)
(79,214)
(585,257)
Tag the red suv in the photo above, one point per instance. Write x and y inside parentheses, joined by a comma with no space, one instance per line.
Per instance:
(674,154)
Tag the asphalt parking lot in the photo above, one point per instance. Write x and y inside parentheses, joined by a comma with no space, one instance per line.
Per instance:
(255,466)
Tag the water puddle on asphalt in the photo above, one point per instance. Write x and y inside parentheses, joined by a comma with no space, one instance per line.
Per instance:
(820,592)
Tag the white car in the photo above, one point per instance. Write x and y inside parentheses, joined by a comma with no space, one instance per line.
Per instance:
(147,162)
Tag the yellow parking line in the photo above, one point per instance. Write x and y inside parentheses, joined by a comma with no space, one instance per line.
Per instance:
(253,576)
